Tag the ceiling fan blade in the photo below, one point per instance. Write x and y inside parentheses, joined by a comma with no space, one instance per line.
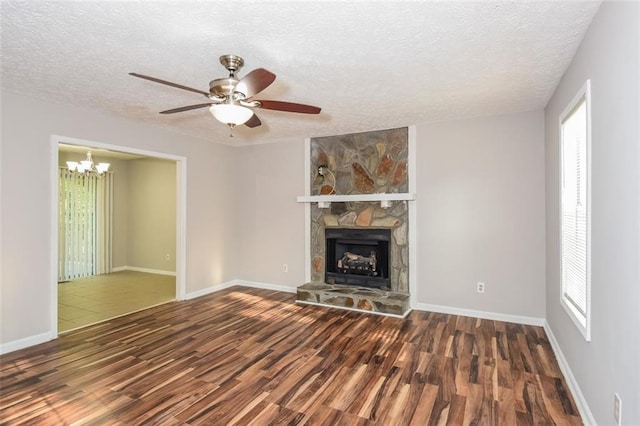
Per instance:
(255,82)
(254,121)
(289,107)
(168,83)
(185,108)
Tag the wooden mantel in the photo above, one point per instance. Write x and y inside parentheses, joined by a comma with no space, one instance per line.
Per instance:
(324,201)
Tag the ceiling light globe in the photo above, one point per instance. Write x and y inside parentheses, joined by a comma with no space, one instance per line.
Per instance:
(231,114)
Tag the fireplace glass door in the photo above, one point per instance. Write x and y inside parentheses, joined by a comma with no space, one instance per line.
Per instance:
(358,257)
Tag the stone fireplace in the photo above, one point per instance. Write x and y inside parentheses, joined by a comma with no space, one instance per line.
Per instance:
(359,249)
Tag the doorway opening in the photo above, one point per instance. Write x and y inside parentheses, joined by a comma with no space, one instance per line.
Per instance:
(146,216)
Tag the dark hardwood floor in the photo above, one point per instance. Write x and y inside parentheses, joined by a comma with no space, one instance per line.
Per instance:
(247,356)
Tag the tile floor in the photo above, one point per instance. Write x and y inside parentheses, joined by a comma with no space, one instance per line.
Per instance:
(89,300)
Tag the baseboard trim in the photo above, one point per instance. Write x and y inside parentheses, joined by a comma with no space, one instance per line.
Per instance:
(479,314)
(242,283)
(344,308)
(578,396)
(147,270)
(16,345)
(209,290)
(266,286)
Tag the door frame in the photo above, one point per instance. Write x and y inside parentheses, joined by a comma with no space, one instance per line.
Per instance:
(181,213)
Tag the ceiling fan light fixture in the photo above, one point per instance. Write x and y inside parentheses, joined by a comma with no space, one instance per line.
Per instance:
(231,114)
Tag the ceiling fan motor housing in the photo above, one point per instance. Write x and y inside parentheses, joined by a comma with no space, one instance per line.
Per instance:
(222,87)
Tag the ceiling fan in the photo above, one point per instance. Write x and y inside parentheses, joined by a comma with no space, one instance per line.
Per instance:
(230,100)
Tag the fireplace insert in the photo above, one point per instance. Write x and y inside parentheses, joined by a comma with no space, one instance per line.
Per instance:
(358,257)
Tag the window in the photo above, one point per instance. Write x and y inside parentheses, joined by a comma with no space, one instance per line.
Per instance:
(575,203)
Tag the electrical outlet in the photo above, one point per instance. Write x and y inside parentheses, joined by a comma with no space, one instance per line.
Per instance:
(617,409)
(285,268)
(480,287)
(167,256)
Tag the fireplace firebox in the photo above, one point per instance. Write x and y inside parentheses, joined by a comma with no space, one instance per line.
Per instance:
(358,257)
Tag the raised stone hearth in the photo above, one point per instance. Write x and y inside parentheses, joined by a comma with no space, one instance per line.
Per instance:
(360,298)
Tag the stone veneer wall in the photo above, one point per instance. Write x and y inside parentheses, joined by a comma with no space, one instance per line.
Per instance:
(363,163)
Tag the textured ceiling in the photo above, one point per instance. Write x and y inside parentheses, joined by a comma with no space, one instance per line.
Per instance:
(369,65)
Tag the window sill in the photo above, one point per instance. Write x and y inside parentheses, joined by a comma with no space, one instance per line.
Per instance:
(581,322)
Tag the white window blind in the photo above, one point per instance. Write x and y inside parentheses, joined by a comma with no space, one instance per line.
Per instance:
(84,224)
(575,262)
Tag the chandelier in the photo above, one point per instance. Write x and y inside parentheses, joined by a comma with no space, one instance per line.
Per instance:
(87,166)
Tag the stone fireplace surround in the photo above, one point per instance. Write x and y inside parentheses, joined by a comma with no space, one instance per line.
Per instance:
(364,163)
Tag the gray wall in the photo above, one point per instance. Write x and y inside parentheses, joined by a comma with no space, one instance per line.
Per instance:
(480,205)
(270,177)
(26,240)
(611,361)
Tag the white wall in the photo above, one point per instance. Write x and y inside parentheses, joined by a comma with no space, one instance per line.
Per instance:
(27,125)
(480,211)
(271,222)
(609,363)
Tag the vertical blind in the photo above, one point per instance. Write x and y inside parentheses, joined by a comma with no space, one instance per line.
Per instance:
(574,220)
(84,224)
